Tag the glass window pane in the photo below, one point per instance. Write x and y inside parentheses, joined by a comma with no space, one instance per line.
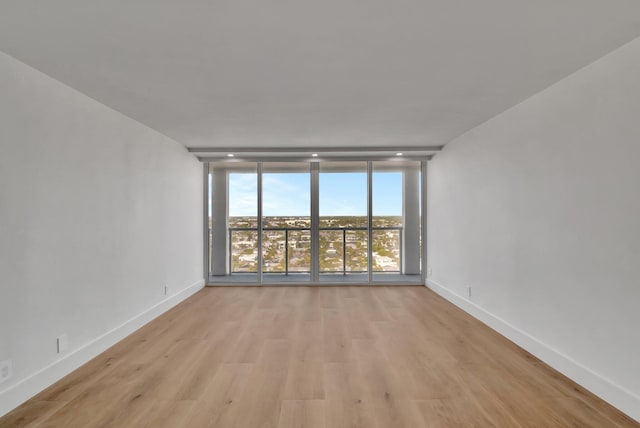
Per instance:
(343,221)
(286,221)
(396,244)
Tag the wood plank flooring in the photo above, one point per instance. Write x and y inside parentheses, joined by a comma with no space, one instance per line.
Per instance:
(258,357)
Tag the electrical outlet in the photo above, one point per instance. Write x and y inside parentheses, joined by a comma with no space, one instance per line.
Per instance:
(469,291)
(166,290)
(429,271)
(5,370)
(63,343)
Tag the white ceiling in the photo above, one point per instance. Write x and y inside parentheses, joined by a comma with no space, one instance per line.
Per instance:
(300,73)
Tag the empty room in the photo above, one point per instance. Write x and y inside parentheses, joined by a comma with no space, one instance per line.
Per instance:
(320,214)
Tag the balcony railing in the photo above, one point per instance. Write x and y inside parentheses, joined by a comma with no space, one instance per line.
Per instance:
(328,248)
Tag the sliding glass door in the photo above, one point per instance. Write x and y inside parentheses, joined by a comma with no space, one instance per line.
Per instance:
(344,222)
(329,222)
(396,207)
(286,222)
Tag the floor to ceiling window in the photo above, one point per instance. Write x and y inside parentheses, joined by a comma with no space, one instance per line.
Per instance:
(329,222)
(344,222)
(395,235)
(286,222)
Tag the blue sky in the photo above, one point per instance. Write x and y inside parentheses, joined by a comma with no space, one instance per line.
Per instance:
(340,194)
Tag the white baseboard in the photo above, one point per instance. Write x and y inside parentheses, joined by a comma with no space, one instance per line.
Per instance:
(616,395)
(20,392)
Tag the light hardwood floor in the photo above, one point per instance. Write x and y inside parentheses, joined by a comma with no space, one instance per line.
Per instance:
(379,357)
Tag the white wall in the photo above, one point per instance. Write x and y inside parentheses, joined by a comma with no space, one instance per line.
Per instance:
(97,214)
(538,210)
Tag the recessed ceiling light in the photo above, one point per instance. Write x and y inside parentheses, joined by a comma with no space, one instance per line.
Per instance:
(315,155)
(230,155)
(398,154)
